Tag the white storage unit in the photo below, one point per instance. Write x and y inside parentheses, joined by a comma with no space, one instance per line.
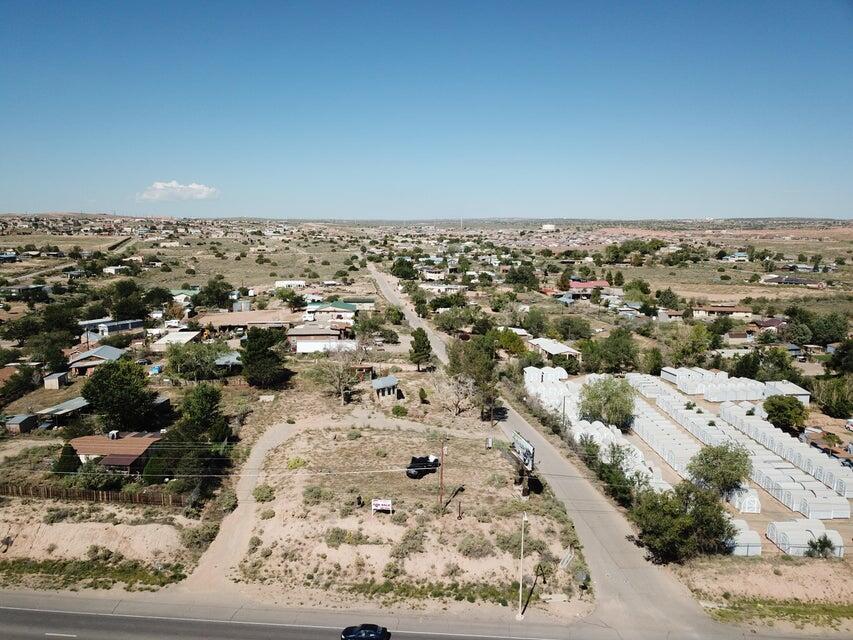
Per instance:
(793,537)
(746,541)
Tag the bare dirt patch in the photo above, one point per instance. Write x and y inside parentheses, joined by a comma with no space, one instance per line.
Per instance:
(317,533)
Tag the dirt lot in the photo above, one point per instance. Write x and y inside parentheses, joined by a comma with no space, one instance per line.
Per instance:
(314,534)
(779,590)
(53,529)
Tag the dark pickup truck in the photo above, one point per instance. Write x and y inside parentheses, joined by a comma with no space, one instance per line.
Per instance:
(421,466)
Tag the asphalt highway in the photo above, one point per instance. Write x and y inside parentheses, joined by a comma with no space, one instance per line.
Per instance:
(28,624)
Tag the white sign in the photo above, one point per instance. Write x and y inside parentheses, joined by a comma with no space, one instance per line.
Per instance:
(381,505)
(523,449)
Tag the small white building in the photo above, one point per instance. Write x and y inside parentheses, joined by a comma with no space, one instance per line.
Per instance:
(785,388)
(290,284)
(55,381)
(115,270)
(177,338)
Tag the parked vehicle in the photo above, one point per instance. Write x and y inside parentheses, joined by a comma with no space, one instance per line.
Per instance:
(365,632)
(421,466)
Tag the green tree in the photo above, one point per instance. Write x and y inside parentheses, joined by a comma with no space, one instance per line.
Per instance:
(841,361)
(798,333)
(195,360)
(93,476)
(786,412)
(19,384)
(573,328)
(652,361)
(394,315)
(403,269)
(511,342)
(336,374)
(214,294)
(367,324)
(201,414)
(677,525)
(827,328)
(689,345)
(68,461)
(668,299)
(475,360)
(263,364)
(523,276)
(119,392)
(535,322)
(421,351)
(47,347)
(721,468)
(610,400)
(618,352)
(834,396)
(821,547)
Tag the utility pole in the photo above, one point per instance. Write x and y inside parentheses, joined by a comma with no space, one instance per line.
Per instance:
(521,567)
(441,475)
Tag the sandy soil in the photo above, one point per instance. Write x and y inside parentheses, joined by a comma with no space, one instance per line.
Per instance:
(32,538)
(290,543)
(776,577)
(13,446)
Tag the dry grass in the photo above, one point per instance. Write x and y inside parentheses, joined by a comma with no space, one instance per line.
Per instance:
(321,539)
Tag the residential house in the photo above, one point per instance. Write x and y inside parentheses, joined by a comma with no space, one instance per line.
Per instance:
(124,453)
(361,304)
(290,284)
(115,269)
(314,338)
(245,320)
(549,348)
(85,363)
(338,313)
(773,325)
(794,281)
(584,289)
(711,312)
(179,338)
(230,362)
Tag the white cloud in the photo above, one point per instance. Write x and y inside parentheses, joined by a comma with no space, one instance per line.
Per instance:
(173,190)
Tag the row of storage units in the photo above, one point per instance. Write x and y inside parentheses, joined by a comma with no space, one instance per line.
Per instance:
(672,442)
(793,537)
(550,388)
(556,394)
(748,419)
(790,485)
(717,386)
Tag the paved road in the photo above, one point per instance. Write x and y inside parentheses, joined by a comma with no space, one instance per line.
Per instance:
(633,597)
(46,615)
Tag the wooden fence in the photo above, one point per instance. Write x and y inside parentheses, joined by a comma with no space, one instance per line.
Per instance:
(63,493)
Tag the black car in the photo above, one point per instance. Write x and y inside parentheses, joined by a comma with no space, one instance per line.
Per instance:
(365,632)
(421,466)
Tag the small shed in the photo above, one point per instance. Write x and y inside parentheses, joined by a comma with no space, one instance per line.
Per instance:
(22,423)
(385,386)
(56,380)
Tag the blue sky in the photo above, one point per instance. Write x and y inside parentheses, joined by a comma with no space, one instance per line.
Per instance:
(411,110)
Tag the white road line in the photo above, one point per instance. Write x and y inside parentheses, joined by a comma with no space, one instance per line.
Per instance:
(61,635)
(285,625)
